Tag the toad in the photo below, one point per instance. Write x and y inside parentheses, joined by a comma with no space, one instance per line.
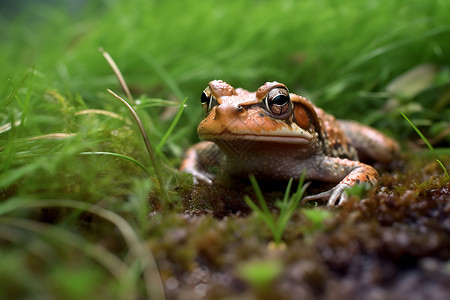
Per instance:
(275,134)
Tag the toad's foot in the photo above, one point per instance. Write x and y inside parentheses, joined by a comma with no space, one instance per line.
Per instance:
(335,196)
(347,172)
(199,176)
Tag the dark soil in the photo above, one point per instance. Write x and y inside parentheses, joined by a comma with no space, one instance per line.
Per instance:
(392,244)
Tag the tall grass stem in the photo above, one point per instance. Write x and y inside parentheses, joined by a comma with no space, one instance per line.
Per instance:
(150,151)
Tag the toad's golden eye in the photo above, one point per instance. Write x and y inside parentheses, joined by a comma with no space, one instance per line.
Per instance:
(278,103)
(208,101)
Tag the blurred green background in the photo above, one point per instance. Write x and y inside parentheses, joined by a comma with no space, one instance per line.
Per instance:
(342,54)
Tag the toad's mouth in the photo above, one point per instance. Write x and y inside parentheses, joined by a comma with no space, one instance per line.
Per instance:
(226,136)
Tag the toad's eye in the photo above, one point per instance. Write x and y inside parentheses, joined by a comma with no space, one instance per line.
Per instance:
(208,101)
(278,104)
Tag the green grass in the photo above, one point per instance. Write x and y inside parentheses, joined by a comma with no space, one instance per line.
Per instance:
(55,108)
(427,143)
(288,205)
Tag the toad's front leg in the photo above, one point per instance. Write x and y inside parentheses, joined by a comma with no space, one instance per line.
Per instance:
(334,169)
(199,159)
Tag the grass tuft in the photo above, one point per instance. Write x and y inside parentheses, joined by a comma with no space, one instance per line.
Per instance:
(277,224)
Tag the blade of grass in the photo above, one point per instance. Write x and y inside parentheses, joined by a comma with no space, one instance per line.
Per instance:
(150,151)
(427,143)
(26,106)
(8,178)
(397,44)
(118,155)
(263,211)
(138,248)
(152,102)
(278,234)
(119,75)
(286,196)
(16,88)
(100,112)
(40,248)
(9,126)
(259,195)
(291,206)
(266,218)
(172,126)
(110,262)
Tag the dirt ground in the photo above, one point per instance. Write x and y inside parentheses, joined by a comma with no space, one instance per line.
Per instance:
(392,244)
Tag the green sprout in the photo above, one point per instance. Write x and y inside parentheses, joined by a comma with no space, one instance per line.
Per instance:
(260,274)
(277,224)
(427,143)
(316,217)
(358,190)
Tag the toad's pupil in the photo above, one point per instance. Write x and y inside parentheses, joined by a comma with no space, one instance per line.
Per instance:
(204,98)
(280,100)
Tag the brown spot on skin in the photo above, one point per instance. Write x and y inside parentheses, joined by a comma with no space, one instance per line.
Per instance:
(301,117)
(310,110)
